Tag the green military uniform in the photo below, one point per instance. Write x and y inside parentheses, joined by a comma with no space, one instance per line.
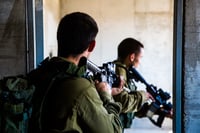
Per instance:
(131,101)
(73,104)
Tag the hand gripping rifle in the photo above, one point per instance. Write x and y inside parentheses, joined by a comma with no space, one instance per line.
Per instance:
(158,107)
(105,73)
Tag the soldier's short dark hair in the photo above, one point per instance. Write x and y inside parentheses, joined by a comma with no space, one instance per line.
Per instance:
(75,32)
(129,46)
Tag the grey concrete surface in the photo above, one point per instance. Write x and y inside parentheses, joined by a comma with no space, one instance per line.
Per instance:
(146,131)
(144,125)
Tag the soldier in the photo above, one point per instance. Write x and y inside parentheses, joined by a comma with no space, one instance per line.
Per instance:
(71,103)
(130,52)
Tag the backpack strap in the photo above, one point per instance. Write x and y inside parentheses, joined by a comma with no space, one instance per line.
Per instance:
(59,73)
(44,98)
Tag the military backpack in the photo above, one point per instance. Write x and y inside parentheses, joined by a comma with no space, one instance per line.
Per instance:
(15,104)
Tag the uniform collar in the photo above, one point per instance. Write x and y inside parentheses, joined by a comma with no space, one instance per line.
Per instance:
(61,64)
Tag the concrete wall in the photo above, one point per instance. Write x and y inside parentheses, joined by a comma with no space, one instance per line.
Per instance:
(149,21)
(12,37)
(51,19)
(192,67)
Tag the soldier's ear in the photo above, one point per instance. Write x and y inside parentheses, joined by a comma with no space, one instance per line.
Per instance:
(132,57)
(91,46)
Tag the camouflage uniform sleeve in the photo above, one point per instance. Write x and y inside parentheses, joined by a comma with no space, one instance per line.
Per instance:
(109,103)
(131,102)
(100,116)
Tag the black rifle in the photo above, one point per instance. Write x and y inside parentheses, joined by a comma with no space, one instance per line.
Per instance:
(105,73)
(160,106)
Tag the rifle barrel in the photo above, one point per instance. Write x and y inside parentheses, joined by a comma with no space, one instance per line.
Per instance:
(93,67)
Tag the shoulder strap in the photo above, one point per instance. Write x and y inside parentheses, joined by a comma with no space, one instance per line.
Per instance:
(57,72)
(45,95)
